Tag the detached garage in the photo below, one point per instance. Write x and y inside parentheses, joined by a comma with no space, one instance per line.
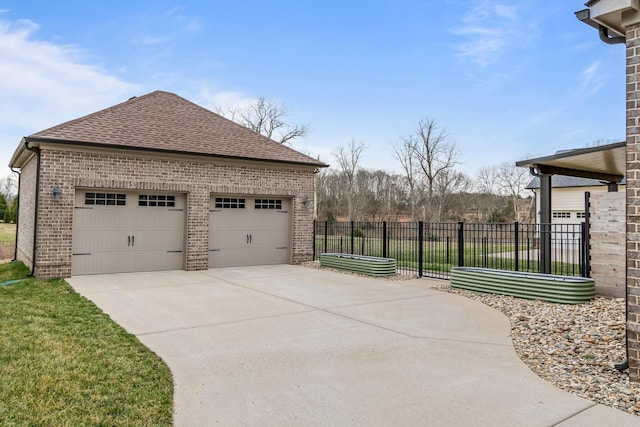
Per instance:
(159,183)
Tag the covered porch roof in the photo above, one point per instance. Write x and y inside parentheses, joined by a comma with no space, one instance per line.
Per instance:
(605,162)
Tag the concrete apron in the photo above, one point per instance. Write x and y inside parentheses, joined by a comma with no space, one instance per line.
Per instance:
(289,345)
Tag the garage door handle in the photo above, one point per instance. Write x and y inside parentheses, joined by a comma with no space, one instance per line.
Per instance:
(128,240)
(133,240)
(250,238)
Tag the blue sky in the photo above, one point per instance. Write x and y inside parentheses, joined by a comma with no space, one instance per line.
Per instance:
(508,80)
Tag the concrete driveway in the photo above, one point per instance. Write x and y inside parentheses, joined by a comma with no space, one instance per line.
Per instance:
(289,345)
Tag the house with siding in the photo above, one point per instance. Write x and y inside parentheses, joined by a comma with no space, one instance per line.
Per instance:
(568,197)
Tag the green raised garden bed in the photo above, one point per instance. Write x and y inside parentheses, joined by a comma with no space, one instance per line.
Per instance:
(547,287)
(372,266)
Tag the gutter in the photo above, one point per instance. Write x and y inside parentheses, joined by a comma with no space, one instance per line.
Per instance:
(585,16)
(604,36)
(15,249)
(36,150)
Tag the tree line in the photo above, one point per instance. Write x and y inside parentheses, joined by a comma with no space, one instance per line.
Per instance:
(8,199)
(430,188)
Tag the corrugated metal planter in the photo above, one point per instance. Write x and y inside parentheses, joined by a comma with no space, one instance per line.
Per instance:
(372,266)
(547,287)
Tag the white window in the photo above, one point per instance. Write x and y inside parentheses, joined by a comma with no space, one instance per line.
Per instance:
(230,203)
(104,199)
(268,204)
(156,200)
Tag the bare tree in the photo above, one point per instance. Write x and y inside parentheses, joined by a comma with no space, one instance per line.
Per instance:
(9,187)
(329,194)
(435,154)
(487,180)
(513,181)
(266,118)
(404,153)
(448,184)
(348,159)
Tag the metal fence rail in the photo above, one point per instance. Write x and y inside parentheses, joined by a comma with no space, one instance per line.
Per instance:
(431,248)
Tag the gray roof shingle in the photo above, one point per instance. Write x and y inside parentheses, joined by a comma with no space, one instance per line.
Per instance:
(163,121)
(561,181)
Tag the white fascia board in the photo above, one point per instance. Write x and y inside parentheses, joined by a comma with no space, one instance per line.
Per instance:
(616,15)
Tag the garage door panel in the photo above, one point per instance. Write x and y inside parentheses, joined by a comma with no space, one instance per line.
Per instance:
(229,239)
(256,234)
(98,241)
(128,235)
(105,262)
(228,257)
(152,240)
(268,239)
(159,219)
(273,219)
(148,260)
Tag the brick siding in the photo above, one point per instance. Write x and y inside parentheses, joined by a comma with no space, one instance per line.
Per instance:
(198,178)
(633,200)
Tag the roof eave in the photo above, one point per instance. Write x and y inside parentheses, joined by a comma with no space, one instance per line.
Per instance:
(29,139)
(20,155)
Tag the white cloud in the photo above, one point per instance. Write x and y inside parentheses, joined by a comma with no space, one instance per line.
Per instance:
(43,84)
(489,28)
(149,40)
(591,79)
(223,101)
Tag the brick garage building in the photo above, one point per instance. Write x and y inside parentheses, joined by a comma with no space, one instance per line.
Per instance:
(158,183)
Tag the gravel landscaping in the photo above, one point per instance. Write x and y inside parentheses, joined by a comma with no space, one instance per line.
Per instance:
(573,347)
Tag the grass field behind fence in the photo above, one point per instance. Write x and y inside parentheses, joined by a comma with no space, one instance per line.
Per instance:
(441,255)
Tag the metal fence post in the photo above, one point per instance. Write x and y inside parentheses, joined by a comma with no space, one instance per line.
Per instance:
(420,247)
(326,227)
(315,223)
(460,244)
(516,240)
(384,239)
(352,238)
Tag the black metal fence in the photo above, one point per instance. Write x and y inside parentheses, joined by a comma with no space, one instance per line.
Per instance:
(431,248)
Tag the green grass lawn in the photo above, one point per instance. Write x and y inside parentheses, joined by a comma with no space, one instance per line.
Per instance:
(64,362)
(440,255)
(7,233)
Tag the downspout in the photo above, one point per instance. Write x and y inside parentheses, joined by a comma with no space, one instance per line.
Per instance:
(15,249)
(604,36)
(35,213)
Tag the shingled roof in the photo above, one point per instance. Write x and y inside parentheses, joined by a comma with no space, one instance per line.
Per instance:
(561,181)
(163,121)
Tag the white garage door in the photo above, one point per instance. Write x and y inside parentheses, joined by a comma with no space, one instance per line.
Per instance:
(120,232)
(249,231)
